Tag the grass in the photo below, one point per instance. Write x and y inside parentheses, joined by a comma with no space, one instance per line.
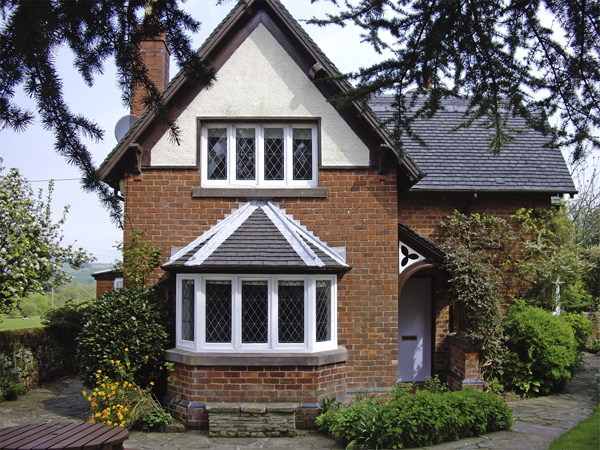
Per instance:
(584,436)
(20,323)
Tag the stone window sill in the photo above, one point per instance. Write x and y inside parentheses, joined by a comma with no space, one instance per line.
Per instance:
(257,359)
(202,192)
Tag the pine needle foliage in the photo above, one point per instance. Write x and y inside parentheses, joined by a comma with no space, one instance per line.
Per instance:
(32,31)
(535,59)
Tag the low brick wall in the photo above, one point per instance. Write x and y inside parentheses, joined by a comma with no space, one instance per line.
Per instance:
(29,356)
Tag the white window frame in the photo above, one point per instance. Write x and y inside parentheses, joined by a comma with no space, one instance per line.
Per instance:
(259,182)
(310,344)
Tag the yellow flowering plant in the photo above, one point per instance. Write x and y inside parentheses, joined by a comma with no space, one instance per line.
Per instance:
(120,401)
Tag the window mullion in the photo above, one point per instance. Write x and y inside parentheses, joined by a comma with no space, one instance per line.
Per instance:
(260,155)
(310,316)
(237,314)
(274,313)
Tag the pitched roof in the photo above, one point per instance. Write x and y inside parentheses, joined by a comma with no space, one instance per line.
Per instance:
(214,52)
(257,237)
(459,159)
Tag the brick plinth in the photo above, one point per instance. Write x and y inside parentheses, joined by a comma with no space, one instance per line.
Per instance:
(464,364)
(193,389)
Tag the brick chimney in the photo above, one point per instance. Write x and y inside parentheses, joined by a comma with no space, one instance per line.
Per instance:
(156,55)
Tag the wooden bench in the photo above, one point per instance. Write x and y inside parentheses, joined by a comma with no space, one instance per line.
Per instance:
(64,435)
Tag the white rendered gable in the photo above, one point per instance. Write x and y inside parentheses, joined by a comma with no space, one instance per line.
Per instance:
(259,80)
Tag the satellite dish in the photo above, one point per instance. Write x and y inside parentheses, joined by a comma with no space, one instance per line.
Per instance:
(124,124)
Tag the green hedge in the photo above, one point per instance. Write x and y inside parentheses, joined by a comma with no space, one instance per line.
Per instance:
(415,420)
(541,352)
(126,325)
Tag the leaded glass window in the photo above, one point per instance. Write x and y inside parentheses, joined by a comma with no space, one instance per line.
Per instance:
(291,312)
(323,308)
(218,311)
(245,154)
(261,155)
(255,312)
(187,310)
(274,154)
(217,153)
(302,153)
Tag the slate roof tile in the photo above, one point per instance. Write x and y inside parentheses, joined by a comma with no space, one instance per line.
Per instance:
(459,158)
(257,235)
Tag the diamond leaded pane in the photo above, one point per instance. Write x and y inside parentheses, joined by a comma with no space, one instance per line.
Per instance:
(218,311)
(323,310)
(217,154)
(302,154)
(273,154)
(255,312)
(187,310)
(245,154)
(291,312)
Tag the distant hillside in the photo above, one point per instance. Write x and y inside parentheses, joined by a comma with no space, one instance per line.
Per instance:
(84,276)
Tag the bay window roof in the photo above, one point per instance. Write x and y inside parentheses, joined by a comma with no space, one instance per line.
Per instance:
(257,237)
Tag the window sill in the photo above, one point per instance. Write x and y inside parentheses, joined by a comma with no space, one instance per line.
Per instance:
(257,359)
(255,192)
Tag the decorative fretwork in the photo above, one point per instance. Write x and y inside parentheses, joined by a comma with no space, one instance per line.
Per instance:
(187,310)
(302,154)
(291,312)
(323,310)
(217,154)
(218,311)
(255,312)
(245,154)
(274,154)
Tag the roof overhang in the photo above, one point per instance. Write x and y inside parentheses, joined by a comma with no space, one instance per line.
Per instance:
(216,50)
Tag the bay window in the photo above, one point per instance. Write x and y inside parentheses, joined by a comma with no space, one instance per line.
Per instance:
(252,313)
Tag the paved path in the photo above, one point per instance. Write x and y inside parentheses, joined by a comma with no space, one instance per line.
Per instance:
(537,421)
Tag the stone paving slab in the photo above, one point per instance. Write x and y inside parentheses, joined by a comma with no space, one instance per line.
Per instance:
(537,421)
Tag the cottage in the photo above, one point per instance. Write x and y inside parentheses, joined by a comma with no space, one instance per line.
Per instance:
(299,249)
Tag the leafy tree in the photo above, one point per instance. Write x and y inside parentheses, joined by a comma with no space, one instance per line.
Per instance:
(31,256)
(537,59)
(95,30)
(585,212)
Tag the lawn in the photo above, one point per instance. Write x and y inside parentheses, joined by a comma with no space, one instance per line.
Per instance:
(20,323)
(584,436)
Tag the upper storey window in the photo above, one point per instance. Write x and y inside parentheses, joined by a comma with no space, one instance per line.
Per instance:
(259,155)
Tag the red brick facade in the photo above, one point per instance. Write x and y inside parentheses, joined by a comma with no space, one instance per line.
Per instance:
(359,214)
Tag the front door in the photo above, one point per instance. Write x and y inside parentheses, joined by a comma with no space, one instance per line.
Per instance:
(414,330)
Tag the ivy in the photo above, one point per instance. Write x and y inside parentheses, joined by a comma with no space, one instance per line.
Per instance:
(492,260)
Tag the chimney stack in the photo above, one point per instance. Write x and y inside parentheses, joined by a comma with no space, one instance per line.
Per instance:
(156,55)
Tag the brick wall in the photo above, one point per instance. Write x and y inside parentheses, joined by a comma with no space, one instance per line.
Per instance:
(359,213)
(423,211)
(258,384)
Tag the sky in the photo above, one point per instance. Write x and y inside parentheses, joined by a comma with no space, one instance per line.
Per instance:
(88,225)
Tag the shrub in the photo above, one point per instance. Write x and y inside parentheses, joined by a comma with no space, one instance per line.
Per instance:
(414,420)
(582,328)
(65,324)
(540,351)
(123,323)
(120,401)
(12,390)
